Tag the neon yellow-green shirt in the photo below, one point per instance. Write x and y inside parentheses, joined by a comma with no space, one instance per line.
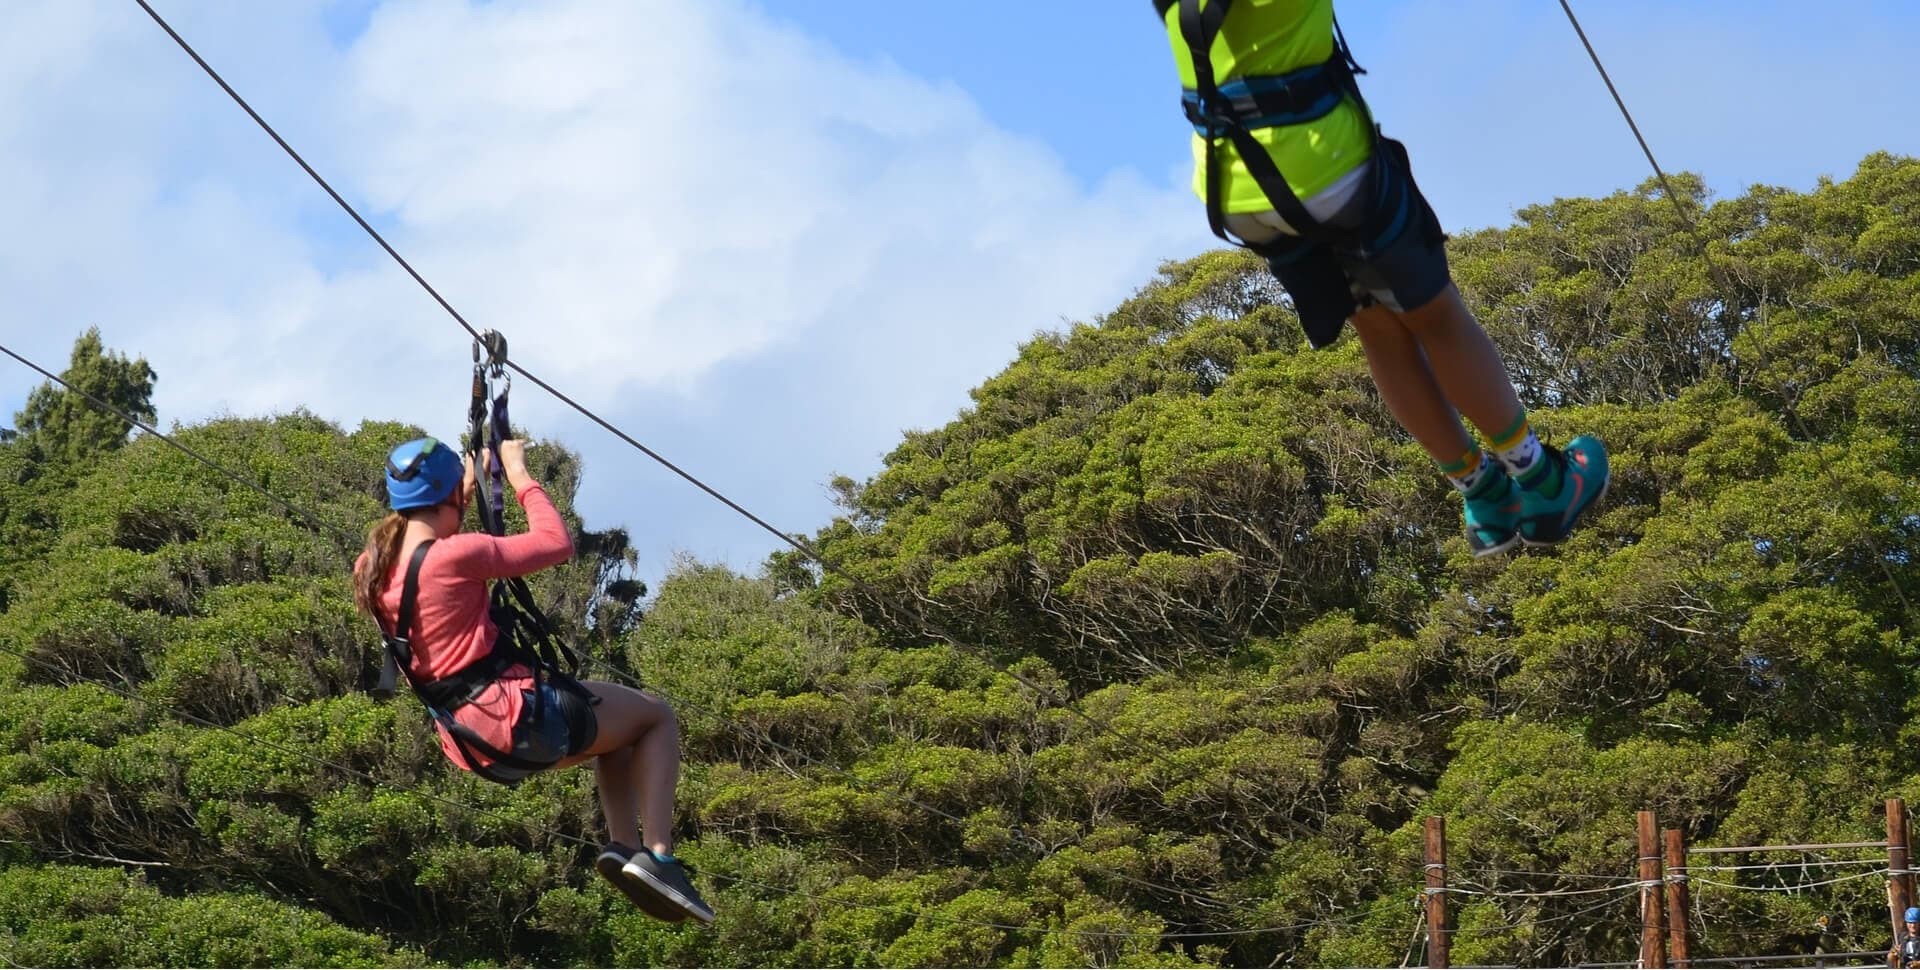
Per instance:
(1268,37)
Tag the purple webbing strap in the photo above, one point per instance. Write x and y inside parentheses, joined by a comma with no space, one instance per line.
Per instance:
(496,472)
(477,440)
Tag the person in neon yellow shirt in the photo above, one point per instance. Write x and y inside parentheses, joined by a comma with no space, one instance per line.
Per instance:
(1291,166)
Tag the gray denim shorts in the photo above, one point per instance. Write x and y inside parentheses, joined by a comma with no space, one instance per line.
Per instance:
(568,727)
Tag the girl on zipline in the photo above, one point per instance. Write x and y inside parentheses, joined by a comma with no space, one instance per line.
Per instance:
(1292,166)
(499,712)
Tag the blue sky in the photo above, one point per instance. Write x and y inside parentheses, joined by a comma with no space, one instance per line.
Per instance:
(765,238)
(1091,79)
(1514,71)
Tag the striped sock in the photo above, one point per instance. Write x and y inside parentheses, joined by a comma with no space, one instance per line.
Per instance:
(1530,465)
(1517,447)
(1470,471)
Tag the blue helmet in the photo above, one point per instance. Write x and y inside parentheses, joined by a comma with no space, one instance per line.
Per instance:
(422,473)
(1913,914)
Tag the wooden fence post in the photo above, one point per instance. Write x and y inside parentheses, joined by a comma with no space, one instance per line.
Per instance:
(1899,874)
(1653,930)
(1436,891)
(1679,925)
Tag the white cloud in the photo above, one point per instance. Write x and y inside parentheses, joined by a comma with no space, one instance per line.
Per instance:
(681,184)
(720,232)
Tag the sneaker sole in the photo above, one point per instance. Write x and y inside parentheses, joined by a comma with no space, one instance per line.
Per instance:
(1598,496)
(689,907)
(613,869)
(1484,551)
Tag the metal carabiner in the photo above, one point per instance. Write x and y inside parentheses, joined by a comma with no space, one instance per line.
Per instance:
(495,343)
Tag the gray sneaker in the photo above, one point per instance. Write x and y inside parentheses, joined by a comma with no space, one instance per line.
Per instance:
(669,879)
(612,867)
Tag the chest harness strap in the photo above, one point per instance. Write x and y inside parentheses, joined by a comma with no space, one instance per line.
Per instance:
(448,694)
(1230,113)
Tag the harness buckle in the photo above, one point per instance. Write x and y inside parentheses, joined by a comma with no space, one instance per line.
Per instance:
(1208,120)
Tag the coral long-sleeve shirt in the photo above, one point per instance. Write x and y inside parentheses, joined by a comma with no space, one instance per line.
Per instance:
(451,626)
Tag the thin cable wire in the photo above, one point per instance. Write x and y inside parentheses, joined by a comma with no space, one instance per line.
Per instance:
(294,510)
(262,122)
(1543,894)
(1706,256)
(1536,872)
(1420,931)
(1685,216)
(800,545)
(1839,960)
(1630,893)
(1468,889)
(445,304)
(1814,863)
(1790,889)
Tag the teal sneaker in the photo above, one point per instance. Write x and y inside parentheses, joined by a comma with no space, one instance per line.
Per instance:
(1493,515)
(1583,482)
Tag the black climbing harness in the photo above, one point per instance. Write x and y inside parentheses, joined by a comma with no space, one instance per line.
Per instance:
(1230,113)
(526,637)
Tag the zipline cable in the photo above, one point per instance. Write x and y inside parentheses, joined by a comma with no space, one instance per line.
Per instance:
(750,731)
(1706,255)
(298,515)
(1685,216)
(798,544)
(282,142)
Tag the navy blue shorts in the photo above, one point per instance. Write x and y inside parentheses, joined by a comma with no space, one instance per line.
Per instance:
(1404,270)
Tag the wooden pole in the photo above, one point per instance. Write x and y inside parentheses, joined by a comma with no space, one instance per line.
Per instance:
(1436,891)
(1653,928)
(1679,924)
(1900,877)
(1907,849)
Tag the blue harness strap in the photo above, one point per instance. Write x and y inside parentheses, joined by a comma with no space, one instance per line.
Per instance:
(1267,101)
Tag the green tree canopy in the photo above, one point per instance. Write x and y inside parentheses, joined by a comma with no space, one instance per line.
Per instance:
(1211,542)
(61,426)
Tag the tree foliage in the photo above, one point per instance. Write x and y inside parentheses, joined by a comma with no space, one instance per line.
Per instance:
(60,426)
(1170,632)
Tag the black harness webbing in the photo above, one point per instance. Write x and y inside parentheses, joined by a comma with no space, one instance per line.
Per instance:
(1231,113)
(510,606)
(513,608)
(448,694)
